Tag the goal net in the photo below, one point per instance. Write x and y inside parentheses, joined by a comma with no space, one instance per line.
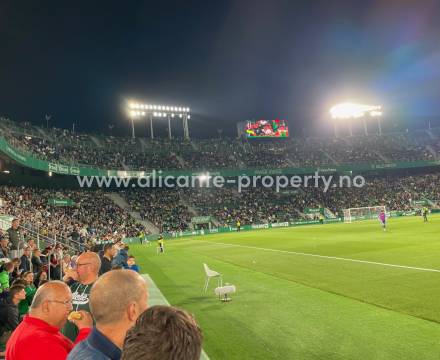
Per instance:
(363,213)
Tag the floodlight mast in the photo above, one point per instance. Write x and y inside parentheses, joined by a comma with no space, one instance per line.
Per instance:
(161,111)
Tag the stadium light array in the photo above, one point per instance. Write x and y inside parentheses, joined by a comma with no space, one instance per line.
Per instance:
(349,110)
(168,108)
(138,110)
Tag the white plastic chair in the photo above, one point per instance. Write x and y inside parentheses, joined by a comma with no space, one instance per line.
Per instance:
(211,274)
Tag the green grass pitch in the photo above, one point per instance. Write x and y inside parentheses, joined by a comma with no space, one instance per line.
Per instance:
(290,305)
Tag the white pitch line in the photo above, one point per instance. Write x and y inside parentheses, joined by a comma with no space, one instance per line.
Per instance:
(321,256)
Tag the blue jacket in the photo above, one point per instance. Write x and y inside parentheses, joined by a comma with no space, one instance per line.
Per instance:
(95,347)
(121,258)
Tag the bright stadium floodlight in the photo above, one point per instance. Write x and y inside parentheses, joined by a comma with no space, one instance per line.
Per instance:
(137,110)
(350,110)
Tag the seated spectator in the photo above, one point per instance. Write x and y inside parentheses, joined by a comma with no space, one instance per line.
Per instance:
(38,336)
(116,301)
(131,264)
(9,315)
(39,277)
(30,289)
(163,333)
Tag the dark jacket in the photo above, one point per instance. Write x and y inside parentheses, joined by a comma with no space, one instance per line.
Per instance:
(106,265)
(9,317)
(25,264)
(15,238)
(36,264)
(4,253)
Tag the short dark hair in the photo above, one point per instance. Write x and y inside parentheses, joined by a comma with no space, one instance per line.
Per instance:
(19,282)
(15,289)
(163,333)
(107,247)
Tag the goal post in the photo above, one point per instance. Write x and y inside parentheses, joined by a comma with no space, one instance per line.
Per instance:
(362,213)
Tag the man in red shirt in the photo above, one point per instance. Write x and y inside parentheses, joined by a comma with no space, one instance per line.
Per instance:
(38,337)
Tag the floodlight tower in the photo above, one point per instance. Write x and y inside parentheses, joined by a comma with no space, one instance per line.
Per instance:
(160,111)
(349,111)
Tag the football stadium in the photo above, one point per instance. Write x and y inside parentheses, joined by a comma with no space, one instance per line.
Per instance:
(171,202)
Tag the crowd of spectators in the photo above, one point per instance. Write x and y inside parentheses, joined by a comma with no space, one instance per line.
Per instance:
(112,152)
(88,311)
(91,216)
(162,207)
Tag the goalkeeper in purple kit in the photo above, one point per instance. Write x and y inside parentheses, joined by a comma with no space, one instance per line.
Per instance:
(383,220)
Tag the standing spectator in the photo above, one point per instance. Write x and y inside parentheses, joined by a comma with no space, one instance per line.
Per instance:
(163,333)
(26,260)
(116,301)
(15,238)
(107,257)
(37,265)
(81,281)
(9,315)
(6,270)
(31,244)
(16,272)
(4,249)
(66,263)
(121,258)
(38,336)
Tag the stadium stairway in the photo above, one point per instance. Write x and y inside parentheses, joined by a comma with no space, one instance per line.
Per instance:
(382,157)
(328,156)
(431,151)
(181,161)
(121,202)
(42,132)
(95,140)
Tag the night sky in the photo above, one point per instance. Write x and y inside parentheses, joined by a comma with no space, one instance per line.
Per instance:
(227,60)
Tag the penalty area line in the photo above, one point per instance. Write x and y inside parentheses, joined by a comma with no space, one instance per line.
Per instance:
(321,256)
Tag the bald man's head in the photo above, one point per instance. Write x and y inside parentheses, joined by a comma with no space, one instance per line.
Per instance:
(114,293)
(52,303)
(50,290)
(87,267)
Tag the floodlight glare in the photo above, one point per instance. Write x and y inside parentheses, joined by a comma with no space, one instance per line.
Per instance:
(349,110)
(133,113)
